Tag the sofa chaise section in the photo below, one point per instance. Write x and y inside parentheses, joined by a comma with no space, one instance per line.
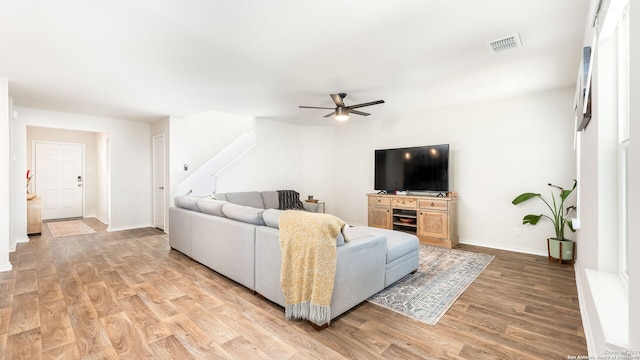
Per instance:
(359,269)
(403,251)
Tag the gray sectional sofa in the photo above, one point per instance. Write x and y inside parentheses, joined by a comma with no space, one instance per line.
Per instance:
(237,235)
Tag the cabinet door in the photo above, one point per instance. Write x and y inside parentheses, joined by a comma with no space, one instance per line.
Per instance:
(34,216)
(380,217)
(433,224)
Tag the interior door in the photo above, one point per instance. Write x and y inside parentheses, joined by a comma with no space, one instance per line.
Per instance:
(158,182)
(59,172)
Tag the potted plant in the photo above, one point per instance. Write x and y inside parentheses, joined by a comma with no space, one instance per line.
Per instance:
(560,248)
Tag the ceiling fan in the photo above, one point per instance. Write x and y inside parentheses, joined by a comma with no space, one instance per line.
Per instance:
(341,111)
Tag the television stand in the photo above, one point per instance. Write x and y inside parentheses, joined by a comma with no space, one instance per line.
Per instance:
(433,219)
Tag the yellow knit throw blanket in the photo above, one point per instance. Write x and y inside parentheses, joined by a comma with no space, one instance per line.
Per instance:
(308,245)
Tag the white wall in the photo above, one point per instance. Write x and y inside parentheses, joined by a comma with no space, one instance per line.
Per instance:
(197,138)
(130,202)
(498,150)
(276,163)
(19,205)
(318,154)
(5,183)
(285,156)
(102,194)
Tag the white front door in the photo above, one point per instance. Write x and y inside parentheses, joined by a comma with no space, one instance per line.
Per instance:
(158,182)
(59,176)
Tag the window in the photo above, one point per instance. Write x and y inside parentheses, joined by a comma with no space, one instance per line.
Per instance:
(623,136)
(613,54)
(623,211)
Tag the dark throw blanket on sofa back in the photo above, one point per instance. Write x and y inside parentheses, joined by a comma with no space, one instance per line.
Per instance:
(289,200)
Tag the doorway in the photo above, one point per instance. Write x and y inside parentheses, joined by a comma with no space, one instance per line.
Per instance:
(59,179)
(158,182)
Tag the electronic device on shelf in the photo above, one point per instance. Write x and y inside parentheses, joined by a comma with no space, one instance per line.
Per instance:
(421,168)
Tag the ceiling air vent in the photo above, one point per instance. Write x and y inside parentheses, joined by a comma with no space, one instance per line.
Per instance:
(505,43)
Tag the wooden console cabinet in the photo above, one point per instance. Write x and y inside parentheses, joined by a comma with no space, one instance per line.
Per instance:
(433,219)
(34,216)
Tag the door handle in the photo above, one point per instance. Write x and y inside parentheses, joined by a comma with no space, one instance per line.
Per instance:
(161,188)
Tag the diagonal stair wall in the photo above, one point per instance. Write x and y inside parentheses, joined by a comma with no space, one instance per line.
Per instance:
(206,144)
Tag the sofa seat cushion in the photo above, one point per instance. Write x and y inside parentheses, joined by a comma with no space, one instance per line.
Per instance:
(245,214)
(399,243)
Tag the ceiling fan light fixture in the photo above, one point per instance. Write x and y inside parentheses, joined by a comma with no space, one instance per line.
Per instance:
(342,114)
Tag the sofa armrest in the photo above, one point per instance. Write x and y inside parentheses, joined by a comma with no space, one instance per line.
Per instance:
(180,229)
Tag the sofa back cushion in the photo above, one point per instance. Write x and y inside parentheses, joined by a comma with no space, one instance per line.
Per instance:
(211,206)
(270,199)
(246,198)
(246,214)
(219,196)
(187,202)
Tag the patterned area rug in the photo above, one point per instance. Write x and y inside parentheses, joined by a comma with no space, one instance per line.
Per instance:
(69,228)
(442,276)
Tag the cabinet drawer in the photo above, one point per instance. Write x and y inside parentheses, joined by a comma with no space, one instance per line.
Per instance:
(404,203)
(433,204)
(379,200)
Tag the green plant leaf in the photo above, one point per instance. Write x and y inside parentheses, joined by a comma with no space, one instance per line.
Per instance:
(564,194)
(524,197)
(531,219)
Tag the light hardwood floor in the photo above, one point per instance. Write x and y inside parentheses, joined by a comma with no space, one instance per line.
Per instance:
(126,295)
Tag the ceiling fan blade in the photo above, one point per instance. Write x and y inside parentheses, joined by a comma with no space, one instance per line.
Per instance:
(366,104)
(338,99)
(314,107)
(330,114)
(358,112)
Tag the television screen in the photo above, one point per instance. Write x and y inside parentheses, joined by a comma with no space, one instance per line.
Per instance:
(424,168)
(583,109)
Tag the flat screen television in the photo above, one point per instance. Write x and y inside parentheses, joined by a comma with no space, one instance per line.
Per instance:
(583,108)
(423,168)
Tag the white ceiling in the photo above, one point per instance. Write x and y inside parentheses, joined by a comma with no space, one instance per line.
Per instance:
(146,59)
